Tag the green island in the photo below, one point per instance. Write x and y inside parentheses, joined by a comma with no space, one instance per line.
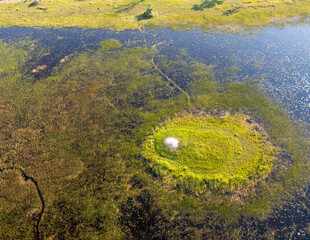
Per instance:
(222,152)
(134,14)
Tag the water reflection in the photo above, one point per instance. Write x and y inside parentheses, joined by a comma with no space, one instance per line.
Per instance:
(281,56)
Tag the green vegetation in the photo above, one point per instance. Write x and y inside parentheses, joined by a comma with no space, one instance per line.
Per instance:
(127,14)
(79,133)
(221,152)
(110,44)
(149,13)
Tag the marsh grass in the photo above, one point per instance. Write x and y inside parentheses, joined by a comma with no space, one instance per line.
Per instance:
(218,153)
(110,44)
(209,96)
(79,133)
(123,14)
(67,130)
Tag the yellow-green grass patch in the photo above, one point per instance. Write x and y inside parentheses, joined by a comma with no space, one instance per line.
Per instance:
(216,152)
(125,14)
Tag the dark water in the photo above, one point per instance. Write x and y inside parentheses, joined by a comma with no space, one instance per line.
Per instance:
(280,58)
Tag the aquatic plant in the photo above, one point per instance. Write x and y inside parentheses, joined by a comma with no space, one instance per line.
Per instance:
(79,133)
(110,44)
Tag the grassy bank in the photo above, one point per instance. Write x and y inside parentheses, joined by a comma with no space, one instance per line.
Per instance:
(129,14)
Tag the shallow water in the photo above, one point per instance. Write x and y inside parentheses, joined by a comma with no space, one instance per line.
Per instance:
(281,56)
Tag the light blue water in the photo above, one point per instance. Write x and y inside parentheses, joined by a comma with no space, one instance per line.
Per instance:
(281,56)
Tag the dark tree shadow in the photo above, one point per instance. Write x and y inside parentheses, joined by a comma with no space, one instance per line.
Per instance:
(34,3)
(144,16)
(147,14)
(207,4)
(129,7)
(231,11)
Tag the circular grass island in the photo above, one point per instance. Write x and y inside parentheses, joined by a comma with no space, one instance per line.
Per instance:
(204,152)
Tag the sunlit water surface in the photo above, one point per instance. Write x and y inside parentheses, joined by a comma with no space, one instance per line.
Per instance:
(280,58)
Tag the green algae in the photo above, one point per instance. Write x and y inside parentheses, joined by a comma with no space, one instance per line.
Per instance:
(220,152)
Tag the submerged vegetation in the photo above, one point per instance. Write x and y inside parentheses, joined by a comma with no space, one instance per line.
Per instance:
(79,133)
(110,44)
(127,14)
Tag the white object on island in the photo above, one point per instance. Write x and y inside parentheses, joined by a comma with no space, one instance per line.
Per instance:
(172,143)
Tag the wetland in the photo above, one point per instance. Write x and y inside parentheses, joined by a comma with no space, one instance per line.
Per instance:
(153,133)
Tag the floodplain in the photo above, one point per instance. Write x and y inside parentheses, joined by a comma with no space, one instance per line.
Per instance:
(164,132)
